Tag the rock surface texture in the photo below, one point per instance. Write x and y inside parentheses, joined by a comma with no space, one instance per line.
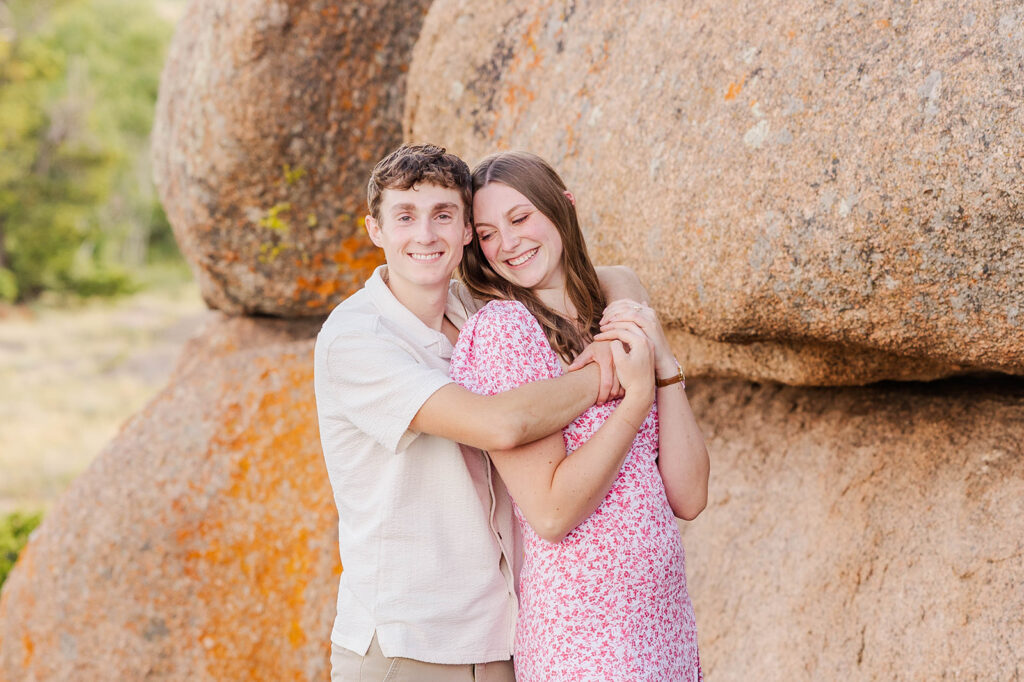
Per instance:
(201,544)
(815,193)
(860,533)
(270,117)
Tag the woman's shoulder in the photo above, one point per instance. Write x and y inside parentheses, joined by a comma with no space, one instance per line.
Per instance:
(503,340)
(501,311)
(504,319)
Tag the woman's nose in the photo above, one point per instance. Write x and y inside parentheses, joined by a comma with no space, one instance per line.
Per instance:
(509,239)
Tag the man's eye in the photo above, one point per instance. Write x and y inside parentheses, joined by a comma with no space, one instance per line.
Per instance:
(444,216)
(404,218)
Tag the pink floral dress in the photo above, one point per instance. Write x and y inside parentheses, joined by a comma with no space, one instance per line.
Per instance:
(609,602)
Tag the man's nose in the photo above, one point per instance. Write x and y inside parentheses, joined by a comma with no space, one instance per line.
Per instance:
(425,230)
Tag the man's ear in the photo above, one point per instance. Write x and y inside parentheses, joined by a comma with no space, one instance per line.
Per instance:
(570,197)
(373,229)
(468,236)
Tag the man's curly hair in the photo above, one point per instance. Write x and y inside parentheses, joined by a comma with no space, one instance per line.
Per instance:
(414,164)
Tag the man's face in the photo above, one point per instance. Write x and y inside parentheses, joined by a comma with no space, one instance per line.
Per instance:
(422,230)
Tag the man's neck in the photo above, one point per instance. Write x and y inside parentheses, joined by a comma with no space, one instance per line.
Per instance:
(426,303)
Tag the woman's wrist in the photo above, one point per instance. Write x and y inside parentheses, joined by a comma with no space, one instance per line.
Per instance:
(667,374)
(640,397)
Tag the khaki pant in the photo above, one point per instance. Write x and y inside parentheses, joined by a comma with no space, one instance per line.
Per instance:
(348,666)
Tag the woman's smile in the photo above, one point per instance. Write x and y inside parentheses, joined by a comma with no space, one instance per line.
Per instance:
(524,258)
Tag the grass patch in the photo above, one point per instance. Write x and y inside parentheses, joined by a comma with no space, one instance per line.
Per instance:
(70,374)
(15,529)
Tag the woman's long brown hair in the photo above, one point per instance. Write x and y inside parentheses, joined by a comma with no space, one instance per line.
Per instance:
(532,177)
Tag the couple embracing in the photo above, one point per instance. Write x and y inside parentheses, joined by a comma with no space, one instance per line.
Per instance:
(508,452)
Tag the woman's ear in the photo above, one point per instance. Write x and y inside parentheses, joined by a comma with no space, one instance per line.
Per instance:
(570,197)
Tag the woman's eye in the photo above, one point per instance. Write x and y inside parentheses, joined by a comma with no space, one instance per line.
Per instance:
(484,237)
(518,219)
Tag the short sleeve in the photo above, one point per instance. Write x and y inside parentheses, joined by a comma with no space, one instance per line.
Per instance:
(376,384)
(501,347)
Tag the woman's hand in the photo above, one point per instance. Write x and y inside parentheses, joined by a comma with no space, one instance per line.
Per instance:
(633,355)
(628,312)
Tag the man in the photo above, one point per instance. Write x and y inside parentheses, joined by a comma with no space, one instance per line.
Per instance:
(426,533)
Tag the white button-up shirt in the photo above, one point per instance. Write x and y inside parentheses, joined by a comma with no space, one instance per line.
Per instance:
(425,530)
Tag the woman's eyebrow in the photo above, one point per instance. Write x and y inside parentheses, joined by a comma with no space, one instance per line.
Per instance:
(517,207)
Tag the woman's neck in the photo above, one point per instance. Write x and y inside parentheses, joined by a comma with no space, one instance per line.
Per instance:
(556,298)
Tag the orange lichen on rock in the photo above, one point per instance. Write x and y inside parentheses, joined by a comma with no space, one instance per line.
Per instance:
(205,536)
(359,256)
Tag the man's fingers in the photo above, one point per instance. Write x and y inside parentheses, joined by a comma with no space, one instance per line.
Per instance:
(607,380)
(618,351)
(582,360)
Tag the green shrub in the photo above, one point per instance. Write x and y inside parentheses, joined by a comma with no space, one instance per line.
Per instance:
(15,529)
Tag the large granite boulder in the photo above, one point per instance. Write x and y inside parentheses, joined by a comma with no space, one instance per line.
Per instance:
(861,533)
(815,192)
(851,532)
(270,117)
(200,545)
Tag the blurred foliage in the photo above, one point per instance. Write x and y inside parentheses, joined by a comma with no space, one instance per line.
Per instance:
(15,529)
(78,85)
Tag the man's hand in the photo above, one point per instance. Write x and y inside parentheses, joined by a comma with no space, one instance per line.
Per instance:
(600,353)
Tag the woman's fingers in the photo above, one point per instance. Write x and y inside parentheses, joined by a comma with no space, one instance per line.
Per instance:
(626,308)
(645,319)
(629,334)
(632,329)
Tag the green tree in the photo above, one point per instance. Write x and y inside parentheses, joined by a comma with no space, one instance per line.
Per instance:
(78,84)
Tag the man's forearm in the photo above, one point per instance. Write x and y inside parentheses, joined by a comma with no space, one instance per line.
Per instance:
(510,419)
(541,408)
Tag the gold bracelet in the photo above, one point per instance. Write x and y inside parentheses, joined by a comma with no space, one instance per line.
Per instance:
(679,378)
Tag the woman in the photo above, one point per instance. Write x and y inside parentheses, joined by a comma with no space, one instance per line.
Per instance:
(603,587)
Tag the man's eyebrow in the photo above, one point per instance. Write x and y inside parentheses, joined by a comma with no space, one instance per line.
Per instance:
(444,205)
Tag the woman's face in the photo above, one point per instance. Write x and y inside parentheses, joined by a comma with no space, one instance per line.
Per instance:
(521,243)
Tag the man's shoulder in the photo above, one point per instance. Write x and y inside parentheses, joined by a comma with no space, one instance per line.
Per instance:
(356,314)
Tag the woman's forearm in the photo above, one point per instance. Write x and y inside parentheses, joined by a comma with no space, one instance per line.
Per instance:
(581,481)
(682,455)
(555,492)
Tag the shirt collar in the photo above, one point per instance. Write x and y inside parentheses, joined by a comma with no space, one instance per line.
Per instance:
(392,309)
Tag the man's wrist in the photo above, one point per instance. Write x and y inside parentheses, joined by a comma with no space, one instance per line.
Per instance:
(591,372)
